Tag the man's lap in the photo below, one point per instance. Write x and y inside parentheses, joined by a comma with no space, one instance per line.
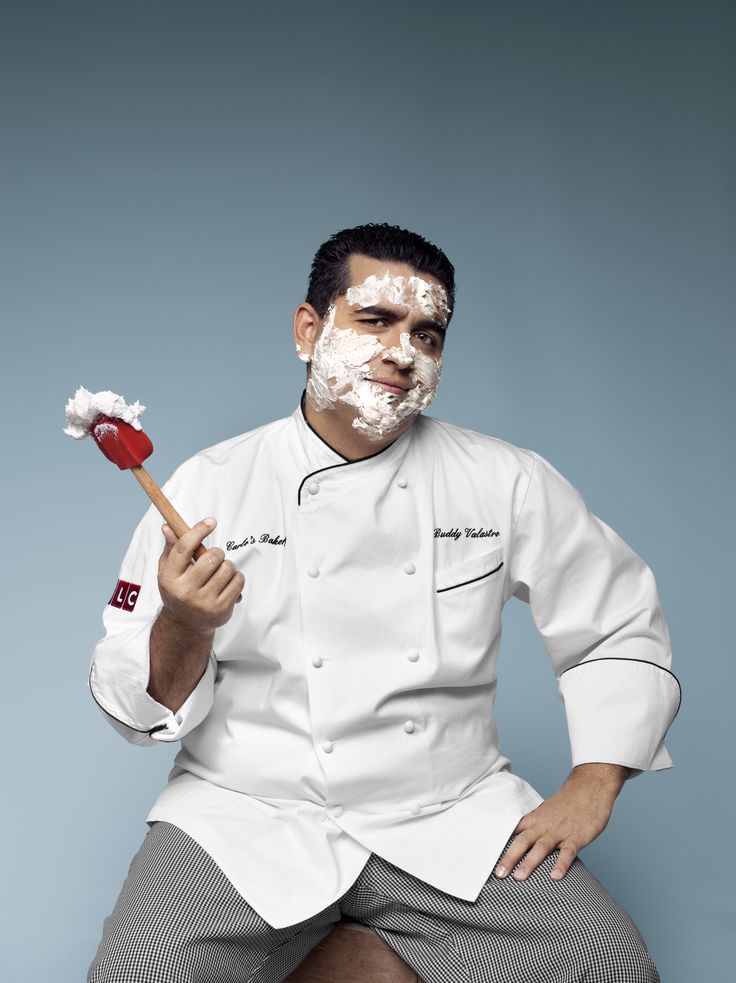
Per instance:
(535,929)
(179,917)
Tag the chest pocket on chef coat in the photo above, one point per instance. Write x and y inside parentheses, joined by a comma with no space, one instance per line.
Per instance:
(468,602)
(465,575)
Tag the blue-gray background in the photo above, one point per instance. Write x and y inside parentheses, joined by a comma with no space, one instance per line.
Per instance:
(168,170)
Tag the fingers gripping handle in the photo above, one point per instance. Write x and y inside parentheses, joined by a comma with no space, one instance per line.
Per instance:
(164,506)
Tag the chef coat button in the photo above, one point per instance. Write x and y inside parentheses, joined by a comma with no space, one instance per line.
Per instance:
(402,482)
(312,487)
(317,661)
(412,656)
(416,809)
(409,726)
(327,747)
(337,811)
(410,568)
(313,572)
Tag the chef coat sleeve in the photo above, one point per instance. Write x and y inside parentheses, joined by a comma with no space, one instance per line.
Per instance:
(120,663)
(596,606)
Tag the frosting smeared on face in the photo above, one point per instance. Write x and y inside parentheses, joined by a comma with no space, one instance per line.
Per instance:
(341,368)
(414,292)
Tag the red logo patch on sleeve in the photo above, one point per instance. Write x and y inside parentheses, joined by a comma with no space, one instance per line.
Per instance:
(125,595)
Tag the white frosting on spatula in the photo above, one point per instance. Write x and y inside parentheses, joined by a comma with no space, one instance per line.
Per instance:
(84,407)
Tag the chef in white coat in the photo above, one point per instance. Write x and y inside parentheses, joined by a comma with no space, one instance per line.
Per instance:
(328,665)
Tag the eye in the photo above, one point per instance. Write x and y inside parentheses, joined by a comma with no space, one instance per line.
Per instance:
(373,320)
(426,339)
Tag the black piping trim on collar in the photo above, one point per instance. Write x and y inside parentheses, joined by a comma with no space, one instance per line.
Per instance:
(137,730)
(304,417)
(613,658)
(330,467)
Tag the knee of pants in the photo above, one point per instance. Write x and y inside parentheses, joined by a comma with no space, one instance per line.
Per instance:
(618,953)
(628,966)
(153,958)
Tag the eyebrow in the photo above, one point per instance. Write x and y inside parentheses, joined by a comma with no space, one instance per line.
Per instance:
(394,316)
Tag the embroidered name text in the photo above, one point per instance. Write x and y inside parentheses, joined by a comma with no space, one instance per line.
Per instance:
(264,537)
(471,532)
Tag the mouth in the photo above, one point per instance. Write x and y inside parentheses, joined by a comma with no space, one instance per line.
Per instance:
(392,387)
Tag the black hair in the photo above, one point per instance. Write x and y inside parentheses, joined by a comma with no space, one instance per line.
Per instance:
(329,276)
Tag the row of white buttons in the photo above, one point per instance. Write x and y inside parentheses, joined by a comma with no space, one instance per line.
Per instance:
(337,811)
(318,661)
(313,489)
(313,572)
(313,486)
(329,746)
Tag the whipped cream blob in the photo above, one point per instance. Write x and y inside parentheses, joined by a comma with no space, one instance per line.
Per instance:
(414,292)
(340,360)
(85,407)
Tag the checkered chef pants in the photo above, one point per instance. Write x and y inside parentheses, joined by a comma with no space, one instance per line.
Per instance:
(179,920)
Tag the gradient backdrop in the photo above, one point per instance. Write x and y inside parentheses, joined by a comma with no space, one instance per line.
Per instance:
(168,170)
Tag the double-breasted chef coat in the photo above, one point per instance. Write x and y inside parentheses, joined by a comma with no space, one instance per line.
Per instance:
(347,706)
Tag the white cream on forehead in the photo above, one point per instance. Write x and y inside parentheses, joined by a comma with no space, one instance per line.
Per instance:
(341,356)
(84,407)
(413,292)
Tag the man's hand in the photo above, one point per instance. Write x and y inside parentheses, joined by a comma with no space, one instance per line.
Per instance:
(198,598)
(568,820)
(200,595)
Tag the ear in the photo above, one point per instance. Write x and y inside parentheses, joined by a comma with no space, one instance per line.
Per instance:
(307,326)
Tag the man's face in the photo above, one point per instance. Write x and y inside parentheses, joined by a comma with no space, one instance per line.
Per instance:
(377,357)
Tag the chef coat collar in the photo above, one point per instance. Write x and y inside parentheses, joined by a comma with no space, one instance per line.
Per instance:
(318,455)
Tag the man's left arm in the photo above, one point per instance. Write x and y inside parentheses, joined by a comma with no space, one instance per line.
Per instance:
(596,606)
(569,820)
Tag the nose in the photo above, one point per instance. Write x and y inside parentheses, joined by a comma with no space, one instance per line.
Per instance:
(401,354)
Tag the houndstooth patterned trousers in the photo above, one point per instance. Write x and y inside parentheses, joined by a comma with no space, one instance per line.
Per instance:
(179,920)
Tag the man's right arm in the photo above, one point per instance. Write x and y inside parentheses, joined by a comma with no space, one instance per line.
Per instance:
(197,599)
(153,673)
(178,660)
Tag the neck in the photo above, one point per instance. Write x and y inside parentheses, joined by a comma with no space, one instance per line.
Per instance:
(342,436)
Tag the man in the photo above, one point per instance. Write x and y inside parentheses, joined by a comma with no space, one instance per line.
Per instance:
(328,665)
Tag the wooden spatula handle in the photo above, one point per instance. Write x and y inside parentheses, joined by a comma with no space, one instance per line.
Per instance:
(164,506)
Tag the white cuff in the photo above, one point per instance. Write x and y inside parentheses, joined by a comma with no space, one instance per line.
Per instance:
(618,711)
(118,681)
(191,712)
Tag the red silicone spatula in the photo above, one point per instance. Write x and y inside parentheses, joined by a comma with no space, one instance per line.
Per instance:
(128,447)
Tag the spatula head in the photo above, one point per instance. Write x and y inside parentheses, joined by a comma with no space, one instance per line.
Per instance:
(121,443)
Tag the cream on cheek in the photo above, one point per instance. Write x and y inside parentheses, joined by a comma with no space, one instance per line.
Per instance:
(341,359)
(339,363)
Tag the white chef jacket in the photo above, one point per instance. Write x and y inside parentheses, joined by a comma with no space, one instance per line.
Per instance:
(347,706)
